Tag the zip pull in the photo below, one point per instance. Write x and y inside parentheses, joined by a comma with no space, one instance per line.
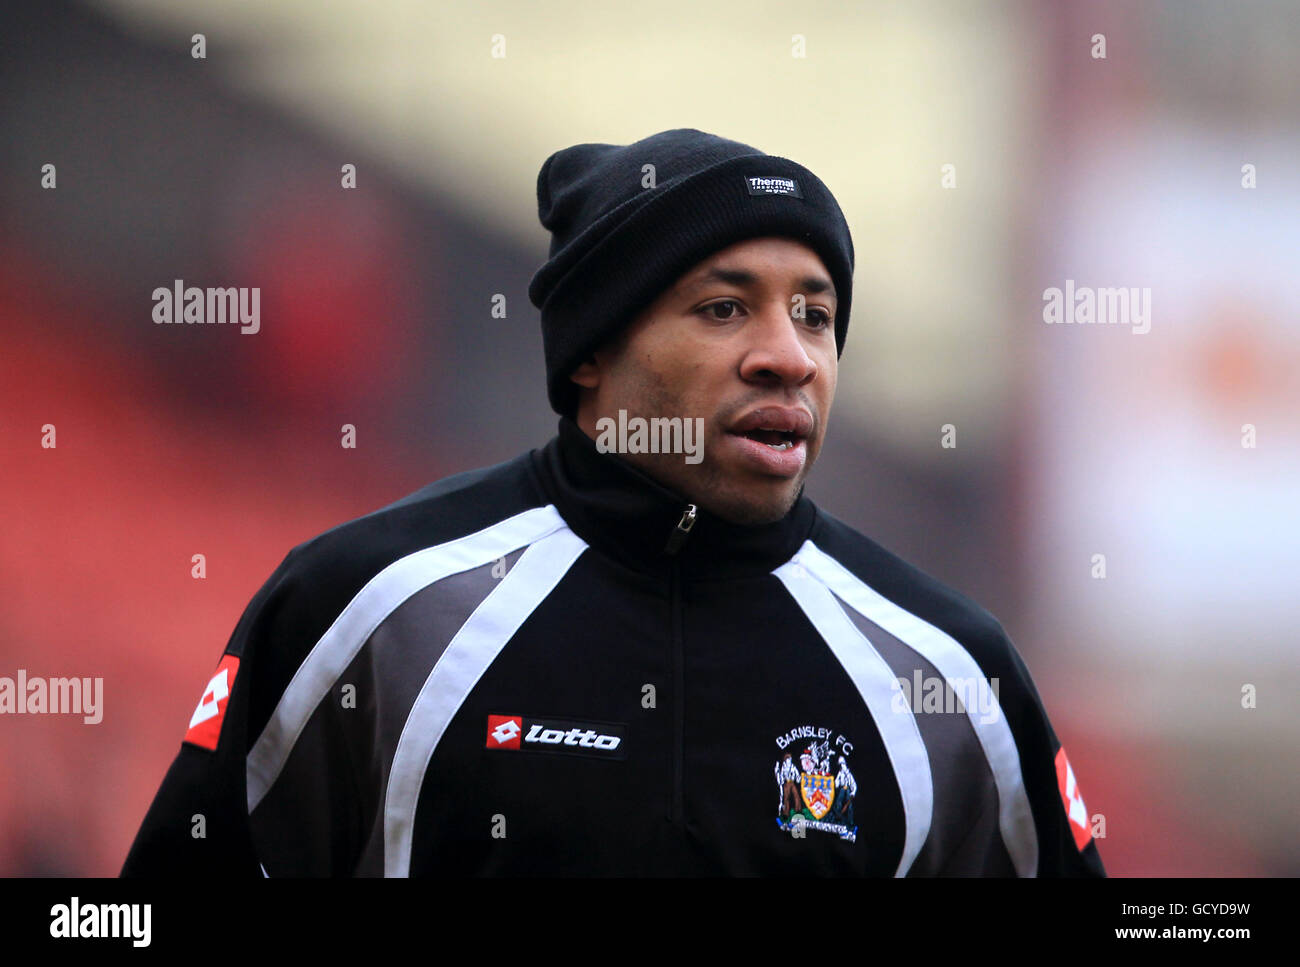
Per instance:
(678,536)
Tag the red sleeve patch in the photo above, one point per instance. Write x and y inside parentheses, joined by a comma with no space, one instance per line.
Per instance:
(1072,799)
(205,724)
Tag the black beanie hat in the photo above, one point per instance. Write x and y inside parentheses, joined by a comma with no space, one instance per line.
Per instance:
(616,245)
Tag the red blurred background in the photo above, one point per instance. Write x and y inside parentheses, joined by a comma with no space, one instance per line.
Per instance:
(174,440)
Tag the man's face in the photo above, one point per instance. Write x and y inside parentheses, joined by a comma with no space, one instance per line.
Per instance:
(727,343)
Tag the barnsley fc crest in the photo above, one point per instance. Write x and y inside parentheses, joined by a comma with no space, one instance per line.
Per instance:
(817,788)
(818,792)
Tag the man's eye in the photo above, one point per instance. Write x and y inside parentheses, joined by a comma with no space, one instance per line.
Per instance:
(716,305)
(819,318)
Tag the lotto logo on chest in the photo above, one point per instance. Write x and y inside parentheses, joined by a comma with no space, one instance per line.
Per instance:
(525,733)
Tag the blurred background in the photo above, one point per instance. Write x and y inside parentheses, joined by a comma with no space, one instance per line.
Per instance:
(1071,441)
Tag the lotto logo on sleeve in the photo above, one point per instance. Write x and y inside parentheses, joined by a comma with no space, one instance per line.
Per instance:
(205,724)
(1072,799)
(601,740)
(504,731)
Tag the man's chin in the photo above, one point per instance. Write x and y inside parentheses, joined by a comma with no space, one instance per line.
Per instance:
(735,494)
(752,508)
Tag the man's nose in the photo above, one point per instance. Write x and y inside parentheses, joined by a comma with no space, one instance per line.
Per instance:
(777,351)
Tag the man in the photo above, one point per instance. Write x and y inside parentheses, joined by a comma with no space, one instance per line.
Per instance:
(787,780)
(581,661)
(846,787)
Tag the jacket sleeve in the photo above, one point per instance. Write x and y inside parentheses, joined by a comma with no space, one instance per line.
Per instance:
(1066,847)
(198,822)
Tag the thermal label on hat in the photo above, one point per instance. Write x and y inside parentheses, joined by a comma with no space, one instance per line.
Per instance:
(773,186)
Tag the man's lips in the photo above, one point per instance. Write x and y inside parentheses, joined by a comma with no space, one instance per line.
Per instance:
(783,460)
(772,424)
(771,439)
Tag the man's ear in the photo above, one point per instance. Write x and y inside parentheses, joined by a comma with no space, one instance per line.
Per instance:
(587,373)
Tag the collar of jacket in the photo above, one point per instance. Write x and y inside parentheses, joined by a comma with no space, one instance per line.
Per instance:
(625,514)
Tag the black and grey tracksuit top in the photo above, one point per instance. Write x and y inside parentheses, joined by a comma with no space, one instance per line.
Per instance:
(550,666)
